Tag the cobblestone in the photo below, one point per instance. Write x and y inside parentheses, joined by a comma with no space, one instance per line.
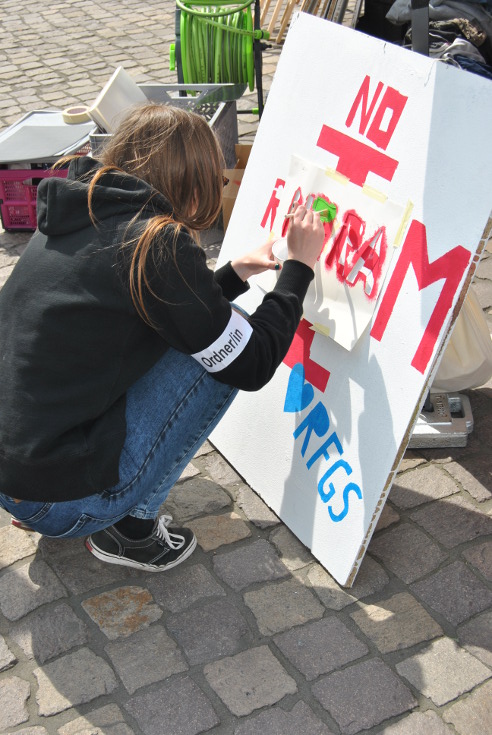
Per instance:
(15,545)
(80,572)
(14,693)
(249,635)
(256,562)
(279,606)
(131,655)
(453,521)
(471,715)
(26,588)
(408,552)
(277,721)
(479,486)
(210,632)
(480,556)
(418,723)
(366,707)
(396,623)
(179,706)
(72,680)
(214,531)
(410,460)
(47,633)
(443,671)
(250,680)
(122,611)
(388,516)
(256,510)
(476,637)
(180,588)
(108,720)
(292,553)
(371,579)
(197,496)
(454,592)
(7,658)
(320,647)
(419,486)
(218,469)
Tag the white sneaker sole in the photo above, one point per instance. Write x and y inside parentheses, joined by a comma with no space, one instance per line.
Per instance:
(122,561)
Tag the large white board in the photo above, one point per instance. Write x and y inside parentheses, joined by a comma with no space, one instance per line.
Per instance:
(401,145)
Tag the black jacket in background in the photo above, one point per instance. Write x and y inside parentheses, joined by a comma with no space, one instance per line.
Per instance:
(72,343)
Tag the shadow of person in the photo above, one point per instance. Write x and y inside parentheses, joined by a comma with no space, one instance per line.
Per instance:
(353,434)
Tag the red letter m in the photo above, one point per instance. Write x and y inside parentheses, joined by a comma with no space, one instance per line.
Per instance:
(449,267)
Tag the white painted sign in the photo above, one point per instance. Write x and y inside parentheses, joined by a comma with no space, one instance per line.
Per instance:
(399,144)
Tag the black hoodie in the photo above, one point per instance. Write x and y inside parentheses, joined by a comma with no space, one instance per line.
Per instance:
(72,342)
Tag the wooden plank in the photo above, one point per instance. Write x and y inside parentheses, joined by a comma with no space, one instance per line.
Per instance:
(286,19)
(275,14)
(264,8)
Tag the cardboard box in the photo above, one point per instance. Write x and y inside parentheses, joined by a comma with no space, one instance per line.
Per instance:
(235,176)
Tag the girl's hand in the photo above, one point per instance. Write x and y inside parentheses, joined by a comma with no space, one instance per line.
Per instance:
(256,261)
(305,236)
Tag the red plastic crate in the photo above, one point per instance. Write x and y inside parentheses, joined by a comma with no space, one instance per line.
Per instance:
(18,191)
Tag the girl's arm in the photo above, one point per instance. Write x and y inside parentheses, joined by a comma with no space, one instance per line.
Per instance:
(191,311)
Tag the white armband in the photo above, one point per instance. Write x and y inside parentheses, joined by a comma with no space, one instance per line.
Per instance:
(228,346)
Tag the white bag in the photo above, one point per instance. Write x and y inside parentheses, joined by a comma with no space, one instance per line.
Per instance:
(467,359)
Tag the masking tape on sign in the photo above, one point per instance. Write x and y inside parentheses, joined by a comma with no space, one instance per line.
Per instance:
(74,115)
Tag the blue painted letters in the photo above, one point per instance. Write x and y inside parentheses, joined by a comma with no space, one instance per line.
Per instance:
(299,396)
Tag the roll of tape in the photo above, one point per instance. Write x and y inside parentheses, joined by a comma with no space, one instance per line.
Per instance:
(74,115)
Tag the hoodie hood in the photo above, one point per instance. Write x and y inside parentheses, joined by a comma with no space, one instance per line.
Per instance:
(62,204)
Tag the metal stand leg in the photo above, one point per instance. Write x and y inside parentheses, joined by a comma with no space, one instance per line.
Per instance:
(445,421)
(258,59)
(177,33)
(420,26)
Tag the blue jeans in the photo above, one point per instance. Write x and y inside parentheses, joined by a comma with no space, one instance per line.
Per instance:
(170,412)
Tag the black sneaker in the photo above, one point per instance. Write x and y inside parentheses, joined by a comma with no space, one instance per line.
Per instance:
(163,549)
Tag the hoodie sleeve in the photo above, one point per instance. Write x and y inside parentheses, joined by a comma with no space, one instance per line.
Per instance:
(227,278)
(189,309)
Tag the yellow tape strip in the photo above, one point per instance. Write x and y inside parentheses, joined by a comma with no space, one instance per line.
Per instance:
(370,191)
(321,329)
(336,176)
(403,224)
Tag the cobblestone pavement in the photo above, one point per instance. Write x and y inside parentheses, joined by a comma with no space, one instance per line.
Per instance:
(250,635)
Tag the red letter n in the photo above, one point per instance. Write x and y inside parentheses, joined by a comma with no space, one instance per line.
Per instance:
(387,114)
(449,267)
(361,101)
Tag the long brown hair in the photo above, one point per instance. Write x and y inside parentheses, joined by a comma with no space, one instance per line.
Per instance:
(175,151)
